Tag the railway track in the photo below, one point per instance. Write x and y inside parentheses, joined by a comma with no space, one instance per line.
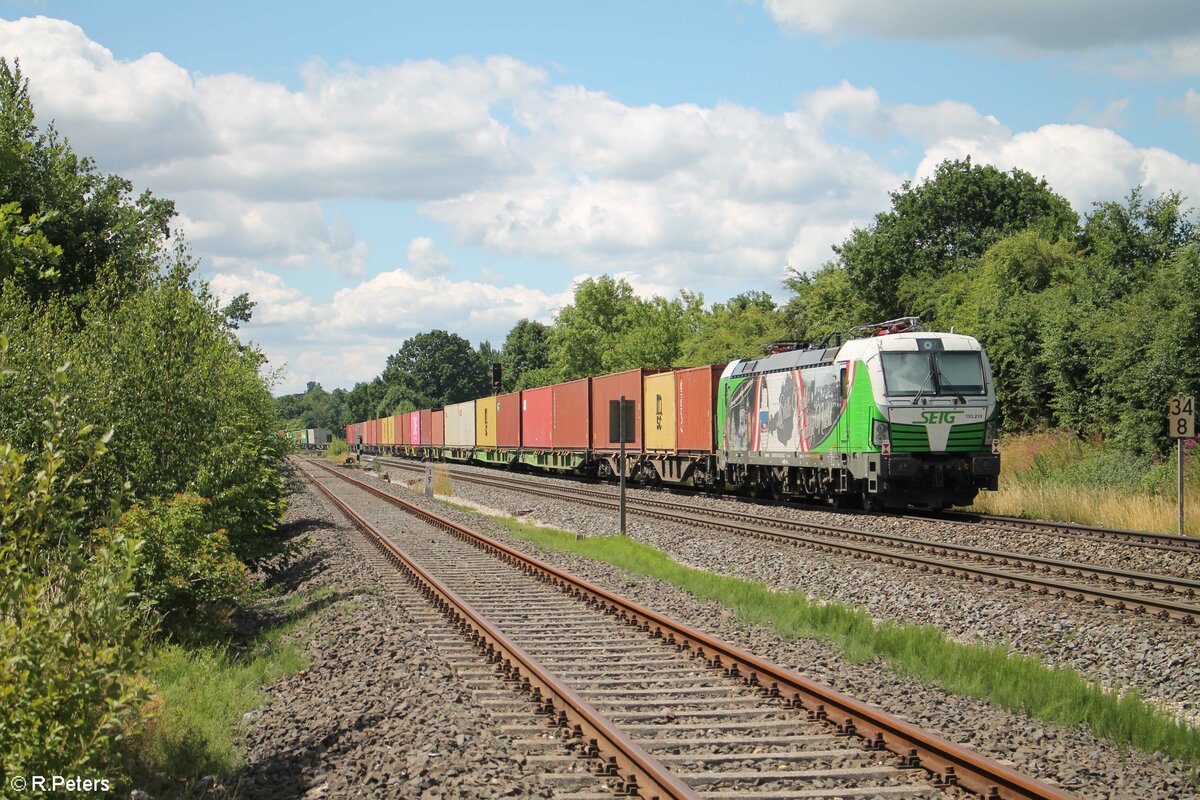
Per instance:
(1163,596)
(664,710)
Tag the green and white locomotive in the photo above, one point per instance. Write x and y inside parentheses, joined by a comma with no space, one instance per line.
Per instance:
(896,417)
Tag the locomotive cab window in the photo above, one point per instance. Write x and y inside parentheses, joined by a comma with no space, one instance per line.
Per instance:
(907,374)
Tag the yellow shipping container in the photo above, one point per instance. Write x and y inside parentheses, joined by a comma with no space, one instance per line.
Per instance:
(387,433)
(485,422)
(658,408)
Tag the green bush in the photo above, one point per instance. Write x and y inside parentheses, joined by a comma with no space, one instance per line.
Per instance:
(187,574)
(70,684)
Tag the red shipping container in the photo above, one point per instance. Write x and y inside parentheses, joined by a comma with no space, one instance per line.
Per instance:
(426,426)
(571,422)
(373,432)
(696,407)
(350,440)
(508,420)
(399,429)
(412,421)
(439,428)
(612,387)
(537,430)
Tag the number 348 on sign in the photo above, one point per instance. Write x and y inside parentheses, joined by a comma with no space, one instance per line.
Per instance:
(1181,412)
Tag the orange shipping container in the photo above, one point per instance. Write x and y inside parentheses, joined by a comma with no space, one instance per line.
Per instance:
(508,420)
(696,407)
(607,388)
(439,428)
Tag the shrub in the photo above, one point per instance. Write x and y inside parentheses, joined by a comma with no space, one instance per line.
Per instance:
(187,573)
(69,686)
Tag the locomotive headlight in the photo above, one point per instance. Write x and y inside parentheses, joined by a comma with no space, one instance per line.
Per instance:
(990,432)
(881,433)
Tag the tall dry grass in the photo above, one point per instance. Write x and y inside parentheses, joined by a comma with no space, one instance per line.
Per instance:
(1090,506)
(1053,475)
(441,481)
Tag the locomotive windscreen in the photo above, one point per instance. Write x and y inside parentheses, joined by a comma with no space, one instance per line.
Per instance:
(945,373)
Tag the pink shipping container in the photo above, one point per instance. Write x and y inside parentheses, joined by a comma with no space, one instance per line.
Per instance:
(426,426)
(572,425)
(439,428)
(508,420)
(537,426)
(412,422)
(612,387)
(696,407)
(400,426)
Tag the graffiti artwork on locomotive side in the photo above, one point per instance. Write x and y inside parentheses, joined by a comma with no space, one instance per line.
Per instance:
(790,411)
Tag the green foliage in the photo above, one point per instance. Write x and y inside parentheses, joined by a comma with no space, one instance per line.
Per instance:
(69,685)
(187,574)
(433,369)
(65,225)
(735,329)
(526,348)
(609,329)
(944,224)
(202,693)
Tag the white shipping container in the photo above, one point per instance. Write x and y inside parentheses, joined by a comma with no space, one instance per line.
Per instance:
(460,424)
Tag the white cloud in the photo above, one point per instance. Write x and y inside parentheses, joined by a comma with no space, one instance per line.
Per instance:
(1111,116)
(348,339)
(425,260)
(238,234)
(1083,163)
(1188,106)
(276,303)
(1036,25)
(681,194)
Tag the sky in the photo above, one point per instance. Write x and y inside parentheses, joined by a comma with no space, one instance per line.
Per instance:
(367,173)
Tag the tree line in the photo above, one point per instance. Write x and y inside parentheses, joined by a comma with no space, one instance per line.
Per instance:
(1090,321)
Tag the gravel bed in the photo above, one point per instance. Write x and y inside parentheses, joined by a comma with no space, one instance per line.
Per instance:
(1106,644)
(1160,658)
(379,713)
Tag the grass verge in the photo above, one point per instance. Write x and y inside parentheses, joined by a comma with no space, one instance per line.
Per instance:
(1019,683)
(202,693)
(1055,475)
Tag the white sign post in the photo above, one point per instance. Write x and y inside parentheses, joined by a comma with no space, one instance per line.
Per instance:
(1181,421)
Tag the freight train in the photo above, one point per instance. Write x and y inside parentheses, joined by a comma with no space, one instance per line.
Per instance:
(891,417)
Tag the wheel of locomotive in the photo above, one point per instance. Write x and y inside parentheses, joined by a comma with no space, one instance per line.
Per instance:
(871,502)
(775,488)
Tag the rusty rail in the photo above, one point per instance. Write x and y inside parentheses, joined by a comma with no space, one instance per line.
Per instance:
(640,774)
(950,763)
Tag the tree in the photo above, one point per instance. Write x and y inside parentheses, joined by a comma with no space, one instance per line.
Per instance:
(737,328)
(526,348)
(587,332)
(79,226)
(945,223)
(433,369)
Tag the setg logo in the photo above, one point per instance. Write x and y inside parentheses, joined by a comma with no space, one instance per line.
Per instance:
(939,417)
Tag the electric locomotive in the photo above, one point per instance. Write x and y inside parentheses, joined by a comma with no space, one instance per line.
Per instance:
(893,417)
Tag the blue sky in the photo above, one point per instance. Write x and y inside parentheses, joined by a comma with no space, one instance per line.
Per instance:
(372,172)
